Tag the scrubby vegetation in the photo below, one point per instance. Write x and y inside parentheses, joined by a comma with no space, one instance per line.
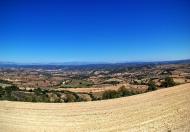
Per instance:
(152,86)
(1,92)
(110,94)
(5,81)
(113,82)
(168,82)
(77,83)
(124,91)
(5,93)
(121,92)
(13,93)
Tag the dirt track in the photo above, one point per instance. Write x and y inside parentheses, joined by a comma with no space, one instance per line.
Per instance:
(163,110)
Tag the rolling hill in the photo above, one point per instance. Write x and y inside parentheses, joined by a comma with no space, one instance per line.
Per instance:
(164,110)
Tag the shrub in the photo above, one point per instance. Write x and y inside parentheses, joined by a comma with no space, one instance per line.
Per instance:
(70,98)
(41,98)
(51,97)
(84,97)
(168,82)
(123,91)
(5,81)
(39,91)
(110,94)
(2,92)
(8,90)
(151,86)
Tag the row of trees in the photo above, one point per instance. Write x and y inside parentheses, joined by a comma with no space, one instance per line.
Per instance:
(121,92)
(5,93)
(13,93)
(168,82)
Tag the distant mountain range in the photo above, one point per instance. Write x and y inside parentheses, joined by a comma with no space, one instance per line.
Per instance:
(92,64)
(55,63)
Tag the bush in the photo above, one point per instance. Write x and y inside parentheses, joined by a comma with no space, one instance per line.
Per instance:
(2,92)
(110,94)
(21,96)
(123,91)
(42,98)
(151,86)
(8,90)
(5,81)
(70,98)
(168,82)
(84,97)
(39,91)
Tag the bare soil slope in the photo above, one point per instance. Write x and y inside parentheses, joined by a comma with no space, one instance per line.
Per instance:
(163,110)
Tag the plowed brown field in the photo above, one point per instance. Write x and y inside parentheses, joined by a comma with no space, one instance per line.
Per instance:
(163,110)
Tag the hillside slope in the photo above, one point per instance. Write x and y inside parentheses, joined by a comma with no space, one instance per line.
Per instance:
(163,110)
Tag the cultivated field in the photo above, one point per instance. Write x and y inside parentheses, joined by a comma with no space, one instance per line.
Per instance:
(164,110)
(141,88)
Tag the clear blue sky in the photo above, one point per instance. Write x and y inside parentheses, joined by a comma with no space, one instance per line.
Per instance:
(94,30)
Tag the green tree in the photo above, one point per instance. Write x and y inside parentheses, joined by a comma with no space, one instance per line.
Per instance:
(2,92)
(168,82)
(151,86)
(9,89)
(39,91)
(110,94)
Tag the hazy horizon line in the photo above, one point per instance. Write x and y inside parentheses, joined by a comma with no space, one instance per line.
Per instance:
(94,62)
